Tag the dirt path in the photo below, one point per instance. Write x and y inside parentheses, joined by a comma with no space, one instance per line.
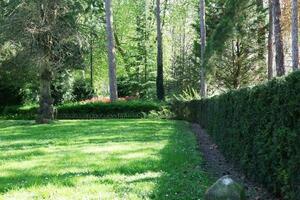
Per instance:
(219,166)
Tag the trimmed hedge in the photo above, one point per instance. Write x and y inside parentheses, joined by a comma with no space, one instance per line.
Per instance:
(121,109)
(258,129)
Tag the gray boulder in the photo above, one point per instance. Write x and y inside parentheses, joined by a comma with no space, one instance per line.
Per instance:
(225,189)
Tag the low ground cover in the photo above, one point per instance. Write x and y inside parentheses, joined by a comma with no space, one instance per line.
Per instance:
(110,159)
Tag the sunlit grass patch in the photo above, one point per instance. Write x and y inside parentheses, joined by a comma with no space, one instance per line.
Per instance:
(107,159)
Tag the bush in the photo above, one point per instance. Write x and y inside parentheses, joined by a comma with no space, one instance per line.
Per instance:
(82,90)
(62,87)
(258,128)
(10,95)
(121,109)
(19,112)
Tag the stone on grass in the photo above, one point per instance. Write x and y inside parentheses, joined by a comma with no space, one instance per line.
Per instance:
(225,189)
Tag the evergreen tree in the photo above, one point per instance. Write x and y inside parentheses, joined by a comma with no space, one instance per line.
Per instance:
(49,37)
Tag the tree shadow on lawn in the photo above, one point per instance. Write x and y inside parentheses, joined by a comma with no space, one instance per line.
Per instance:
(26,179)
(183,178)
(86,132)
(178,166)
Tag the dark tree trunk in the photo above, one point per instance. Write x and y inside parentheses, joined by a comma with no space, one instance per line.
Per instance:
(111,52)
(278,38)
(270,42)
(295,36)
(160,69)
(46,111)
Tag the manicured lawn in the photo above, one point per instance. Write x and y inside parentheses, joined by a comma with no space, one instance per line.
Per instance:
(103,159)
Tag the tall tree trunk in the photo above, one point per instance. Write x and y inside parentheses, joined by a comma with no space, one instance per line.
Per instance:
(111,52)
(160,69)
(295,36)
(203,46)
(278,38)
(261,32)
(91,61)
(46,111)
(270,42)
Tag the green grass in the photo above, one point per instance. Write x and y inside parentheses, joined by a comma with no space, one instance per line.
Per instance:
(102,159)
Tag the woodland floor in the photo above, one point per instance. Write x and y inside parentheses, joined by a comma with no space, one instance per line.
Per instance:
(101,159)
(218,166)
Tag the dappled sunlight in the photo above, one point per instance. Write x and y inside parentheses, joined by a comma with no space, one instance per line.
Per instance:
(88,159)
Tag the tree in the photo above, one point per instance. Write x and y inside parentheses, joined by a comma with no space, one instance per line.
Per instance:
(261,32)
(92,59)
(203,46)
(50,39)
(111,52)
(239,65)
(295,36)
(270,41)
(280,68)
(160,71)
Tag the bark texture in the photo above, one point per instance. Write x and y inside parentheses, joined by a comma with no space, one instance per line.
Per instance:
(46,110)
(295,36)
(160,68)
(111,52)
(278,38)
(203,46)
(270,42)
(48,16)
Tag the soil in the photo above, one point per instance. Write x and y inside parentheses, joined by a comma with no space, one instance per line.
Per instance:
(218,166)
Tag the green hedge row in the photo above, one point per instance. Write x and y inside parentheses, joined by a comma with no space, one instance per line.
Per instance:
(257,128)
(121,109)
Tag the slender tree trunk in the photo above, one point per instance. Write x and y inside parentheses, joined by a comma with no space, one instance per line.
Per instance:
(270,42)
(111,52)
(261,32)
(91,61)
(295,36)
(203,46)
(278,38)
(160,69)
(46,111)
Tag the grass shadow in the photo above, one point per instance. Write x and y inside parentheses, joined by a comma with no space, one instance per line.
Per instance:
(150,159)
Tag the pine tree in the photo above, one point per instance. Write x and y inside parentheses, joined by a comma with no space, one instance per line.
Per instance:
(50,39)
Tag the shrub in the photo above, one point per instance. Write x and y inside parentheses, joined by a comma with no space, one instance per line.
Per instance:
(62,87)
(82,90)
(120,109)
(10,95)
(19,112)
(258,128)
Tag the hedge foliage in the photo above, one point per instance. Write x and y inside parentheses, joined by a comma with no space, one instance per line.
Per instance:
(257,128)
(121,109)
